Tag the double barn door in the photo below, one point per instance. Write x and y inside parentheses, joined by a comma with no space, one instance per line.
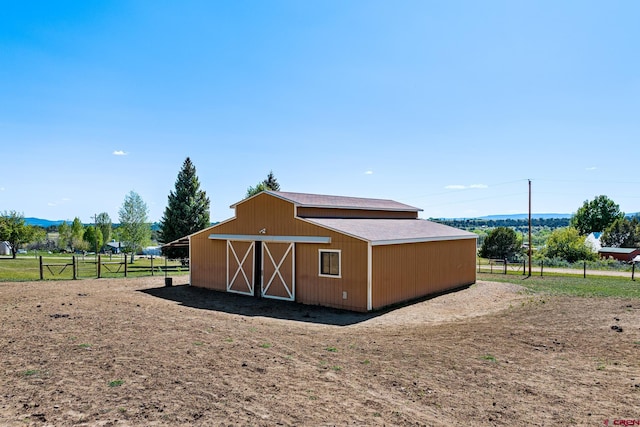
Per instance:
(274,276)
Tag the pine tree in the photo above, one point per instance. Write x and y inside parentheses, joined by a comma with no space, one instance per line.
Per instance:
(187,210)
(270,183)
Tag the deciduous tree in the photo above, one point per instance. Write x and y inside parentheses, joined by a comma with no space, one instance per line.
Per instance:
(103,222)
(64,236)
(134,225)
(623,233)
(77,234)
(568,244)
(596,215)
(93,237)
(187,210)
(14,230)
(500,243)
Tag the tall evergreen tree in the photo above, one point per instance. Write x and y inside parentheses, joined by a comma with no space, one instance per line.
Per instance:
(187,210)
(270,183)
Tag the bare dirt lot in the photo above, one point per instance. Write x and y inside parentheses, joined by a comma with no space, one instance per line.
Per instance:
(132,352)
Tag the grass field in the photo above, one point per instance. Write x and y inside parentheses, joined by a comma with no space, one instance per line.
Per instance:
(27,267)
(571,285)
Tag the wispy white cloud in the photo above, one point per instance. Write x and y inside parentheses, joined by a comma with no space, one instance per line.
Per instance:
(464,187)
(1,188)
(119,153)
(59,202)
(368,173)
(592,168)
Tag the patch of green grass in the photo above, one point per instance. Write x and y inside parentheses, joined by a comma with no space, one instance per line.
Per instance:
(30,372)
(265,345)
(332,349)
(116,383)
(27,267)
(198,343)
(365,362)
(336,368)
(84,345)
(229,340)
(489,357)
(592,286)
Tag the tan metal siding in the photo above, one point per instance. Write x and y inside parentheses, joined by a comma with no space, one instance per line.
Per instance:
(208,262)
(409,271)
(276,216)
(328,291)
(305,212)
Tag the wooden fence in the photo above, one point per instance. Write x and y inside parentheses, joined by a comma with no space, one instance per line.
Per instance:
(98,268)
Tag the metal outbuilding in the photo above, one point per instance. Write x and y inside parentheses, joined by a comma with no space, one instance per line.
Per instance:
(345,252)
(621,254)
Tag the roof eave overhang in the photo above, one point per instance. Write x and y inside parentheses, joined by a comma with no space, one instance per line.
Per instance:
(420,240)
(270,238)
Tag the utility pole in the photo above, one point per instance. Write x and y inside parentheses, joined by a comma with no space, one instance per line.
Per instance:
(530,249)
(95,233)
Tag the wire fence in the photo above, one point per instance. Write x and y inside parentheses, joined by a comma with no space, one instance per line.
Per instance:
(538,268)
(88,267)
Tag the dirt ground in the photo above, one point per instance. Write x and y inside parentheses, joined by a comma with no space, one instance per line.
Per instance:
(133,352)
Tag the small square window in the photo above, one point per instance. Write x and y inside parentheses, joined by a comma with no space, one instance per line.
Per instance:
(330,263)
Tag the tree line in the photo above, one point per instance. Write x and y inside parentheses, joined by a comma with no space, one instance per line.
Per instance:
(469,224)
(601,215)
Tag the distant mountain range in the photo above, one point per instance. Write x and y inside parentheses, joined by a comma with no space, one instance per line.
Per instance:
(526,216)
(44,223)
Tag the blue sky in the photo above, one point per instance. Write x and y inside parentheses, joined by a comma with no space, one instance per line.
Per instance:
(450,106)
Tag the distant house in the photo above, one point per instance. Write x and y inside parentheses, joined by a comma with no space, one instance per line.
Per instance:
(593,241)
(5,248)
(114,247)
(343,252)
(621,254)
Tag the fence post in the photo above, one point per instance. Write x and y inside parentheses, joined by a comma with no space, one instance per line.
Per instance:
(99,266)
(41,272)
(73,262)
(505,266)
(152,264)
(125,265)
(541,267)
(524,267)
(633,271)
(585,269)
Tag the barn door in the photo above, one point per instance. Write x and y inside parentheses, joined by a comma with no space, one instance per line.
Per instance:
(240,267)
(278,271)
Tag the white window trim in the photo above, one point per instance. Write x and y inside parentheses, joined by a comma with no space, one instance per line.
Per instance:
(333,276)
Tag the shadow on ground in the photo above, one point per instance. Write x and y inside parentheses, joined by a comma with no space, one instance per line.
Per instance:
(206,299)
(225,302)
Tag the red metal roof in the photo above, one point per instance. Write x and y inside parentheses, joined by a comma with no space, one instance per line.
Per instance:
(342,202)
